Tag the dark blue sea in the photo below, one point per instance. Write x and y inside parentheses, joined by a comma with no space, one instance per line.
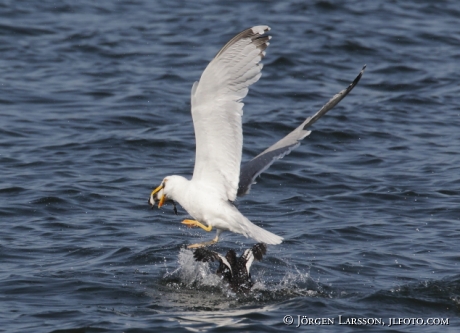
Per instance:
(95,112)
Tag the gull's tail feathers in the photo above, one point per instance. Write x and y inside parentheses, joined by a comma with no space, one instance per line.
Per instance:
(259,234)
(264,236)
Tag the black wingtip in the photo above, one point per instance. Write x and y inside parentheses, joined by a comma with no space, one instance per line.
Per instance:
(203,255)
(259,250)
(356,80)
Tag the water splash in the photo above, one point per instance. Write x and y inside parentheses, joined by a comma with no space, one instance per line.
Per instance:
(192,272)
(201,276)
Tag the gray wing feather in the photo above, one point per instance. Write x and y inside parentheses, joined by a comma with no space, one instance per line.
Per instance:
(250,170)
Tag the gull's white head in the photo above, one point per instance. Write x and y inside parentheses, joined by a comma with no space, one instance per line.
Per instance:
(159,194)
(167,191)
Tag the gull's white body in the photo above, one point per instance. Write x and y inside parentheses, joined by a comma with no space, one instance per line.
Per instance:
(207,205)
(217,110)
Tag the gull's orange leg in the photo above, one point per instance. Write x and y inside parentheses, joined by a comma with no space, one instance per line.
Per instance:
(194,223)
(208,243)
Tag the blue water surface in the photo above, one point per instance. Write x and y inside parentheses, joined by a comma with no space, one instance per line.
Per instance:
(95,111)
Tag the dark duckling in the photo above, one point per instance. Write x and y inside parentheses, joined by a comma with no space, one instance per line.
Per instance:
(233,270)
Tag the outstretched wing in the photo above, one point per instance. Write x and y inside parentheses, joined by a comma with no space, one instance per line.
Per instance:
(217,109)
(256,253)
(205,255)
(250,170)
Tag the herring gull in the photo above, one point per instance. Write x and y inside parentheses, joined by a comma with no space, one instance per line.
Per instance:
(217,109)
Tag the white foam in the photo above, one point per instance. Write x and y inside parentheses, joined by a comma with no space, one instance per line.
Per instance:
(191,271)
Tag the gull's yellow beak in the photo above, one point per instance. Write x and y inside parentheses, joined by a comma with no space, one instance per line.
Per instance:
(162,198)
